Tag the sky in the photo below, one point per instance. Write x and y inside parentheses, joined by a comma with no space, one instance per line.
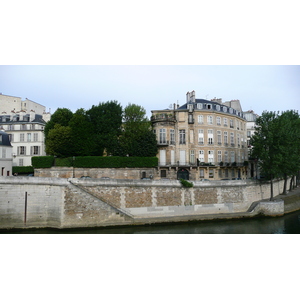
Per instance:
(259,88)
(75,54)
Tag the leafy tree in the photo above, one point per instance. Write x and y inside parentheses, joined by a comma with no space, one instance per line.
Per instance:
(106,120)
(82,134)
(137,138)
(59,141)
(277,145)
(61,116)
(266,145)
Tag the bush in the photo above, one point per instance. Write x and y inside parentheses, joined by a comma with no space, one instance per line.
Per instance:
(64,162)
(22,169)
(42,161)
(185,183)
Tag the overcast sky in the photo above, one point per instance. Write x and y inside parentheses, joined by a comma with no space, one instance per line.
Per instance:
(272,88)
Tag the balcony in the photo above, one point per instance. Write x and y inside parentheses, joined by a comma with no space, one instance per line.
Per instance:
(163,118)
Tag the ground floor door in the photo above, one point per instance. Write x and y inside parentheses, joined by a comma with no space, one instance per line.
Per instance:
(183,174)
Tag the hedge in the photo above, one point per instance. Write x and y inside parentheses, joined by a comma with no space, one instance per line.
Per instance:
(42,161)
(95,162)
(22,169)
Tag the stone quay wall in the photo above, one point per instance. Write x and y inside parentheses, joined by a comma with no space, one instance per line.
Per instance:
(27,202)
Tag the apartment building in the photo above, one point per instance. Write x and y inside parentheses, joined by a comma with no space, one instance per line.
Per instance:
(202,140)
(5,155)
(24,122)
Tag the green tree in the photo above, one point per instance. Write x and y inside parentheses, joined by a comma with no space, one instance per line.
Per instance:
(82,134)
(61,116)
(267,146)
(106,120)
(60,142)
(137,138)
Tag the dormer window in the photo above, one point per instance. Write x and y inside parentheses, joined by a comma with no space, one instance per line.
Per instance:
(199,105)
(208,106)
(218,107)
(224,108)
(190,107)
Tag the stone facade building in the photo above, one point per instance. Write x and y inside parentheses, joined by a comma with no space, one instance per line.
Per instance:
(202,140)
(24,122)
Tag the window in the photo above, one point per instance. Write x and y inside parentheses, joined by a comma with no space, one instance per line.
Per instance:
(248,133)
(192,156)
(28,137)
(21,137)
(224,108)
(226,173)
(232,138)
(219,137)
(218,107)
(232,156)
(201,173)
(22,150)
(162,136)
(21,162)
(23,126)
(182,136)
(210,120)
(210,136)
(218,120)
(199,106)
(11,127)
(231,123)
(190,119)
(35,150)
(226,157)
(211,156)
(225,122)
(238,139)
(163,173)
(219,156)
(190,107)
(200,137)
(172,136)
(225,137)
(211,173)
(200,119)
(35,137)
(32,126)
(231,110)
(201,155)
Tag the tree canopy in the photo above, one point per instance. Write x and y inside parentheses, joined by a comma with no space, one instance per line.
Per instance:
(276,144)
(103,129)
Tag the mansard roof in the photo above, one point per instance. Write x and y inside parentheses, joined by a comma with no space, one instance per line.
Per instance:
(213,106)
(4,139)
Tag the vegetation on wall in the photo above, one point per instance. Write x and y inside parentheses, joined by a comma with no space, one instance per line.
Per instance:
(186,183)
(22,169)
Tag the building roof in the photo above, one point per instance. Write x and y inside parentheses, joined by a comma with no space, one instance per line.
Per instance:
(4,139)
(211,105)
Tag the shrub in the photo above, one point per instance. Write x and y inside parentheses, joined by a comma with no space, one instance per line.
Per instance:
(22,169)
(185,183)
(42,161)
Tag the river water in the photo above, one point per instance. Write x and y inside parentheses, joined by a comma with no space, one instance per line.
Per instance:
(288,224)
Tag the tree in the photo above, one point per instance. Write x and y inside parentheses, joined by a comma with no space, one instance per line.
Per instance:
(276,143)
(137,138)
(61,116)
(266,146)
(82,134)
(106,120)
(59,141)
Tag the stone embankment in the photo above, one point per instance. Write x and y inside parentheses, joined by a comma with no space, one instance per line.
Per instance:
(30,202)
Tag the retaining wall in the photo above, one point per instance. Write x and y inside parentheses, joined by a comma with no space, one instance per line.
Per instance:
(65,203)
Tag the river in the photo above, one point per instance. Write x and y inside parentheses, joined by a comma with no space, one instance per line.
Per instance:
(288,224)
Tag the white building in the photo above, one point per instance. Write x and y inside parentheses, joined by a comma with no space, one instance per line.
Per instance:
(5,155)
(24,122)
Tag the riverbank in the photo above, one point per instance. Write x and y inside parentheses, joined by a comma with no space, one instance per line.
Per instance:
(77,203)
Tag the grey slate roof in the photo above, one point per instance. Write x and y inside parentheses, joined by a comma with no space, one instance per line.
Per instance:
(4,139)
